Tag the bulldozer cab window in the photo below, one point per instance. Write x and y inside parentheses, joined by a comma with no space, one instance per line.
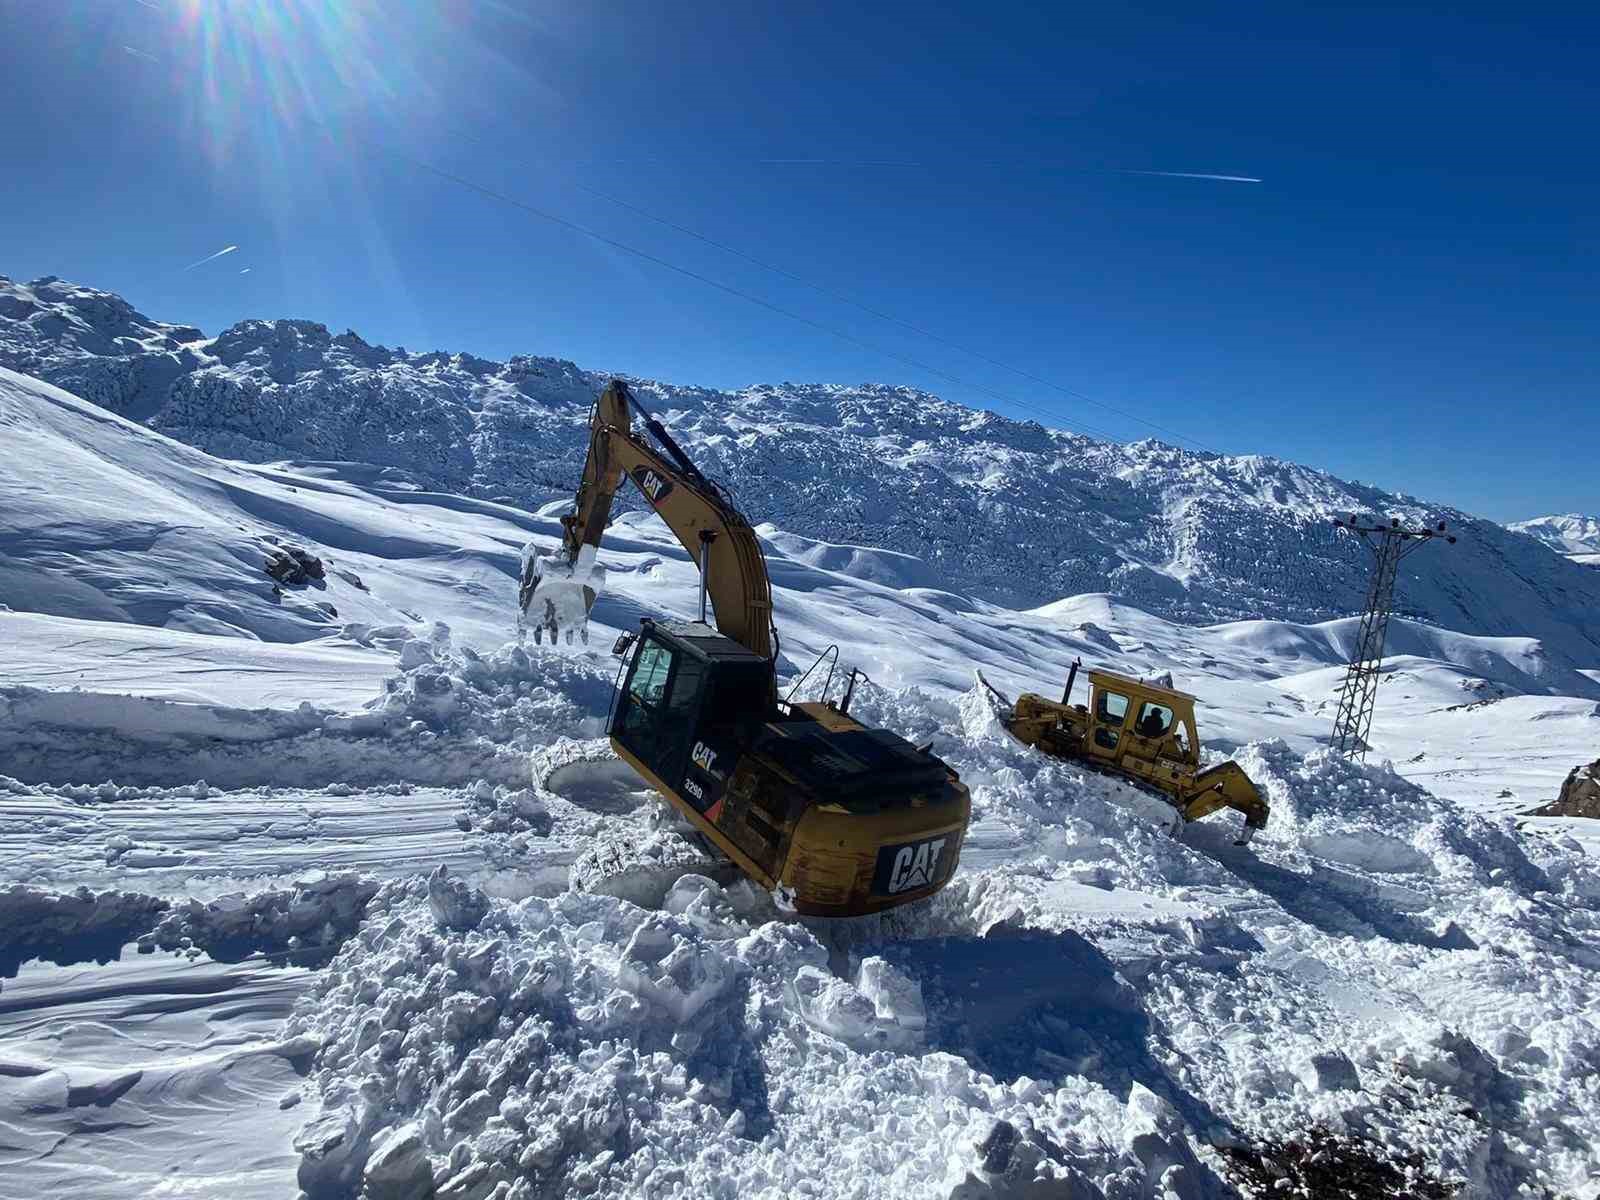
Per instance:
(1110,710)
(1155,720)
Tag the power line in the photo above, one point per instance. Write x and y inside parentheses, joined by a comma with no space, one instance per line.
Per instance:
(1358,695)
(749,297)
(879,314)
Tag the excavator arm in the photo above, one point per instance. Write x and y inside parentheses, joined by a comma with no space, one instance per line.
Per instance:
(699,513)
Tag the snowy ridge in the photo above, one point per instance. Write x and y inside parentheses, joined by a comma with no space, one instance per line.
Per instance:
(1576,536)
(1006,511)
(1571,534)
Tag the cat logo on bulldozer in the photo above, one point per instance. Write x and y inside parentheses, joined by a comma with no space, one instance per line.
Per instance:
(652,485)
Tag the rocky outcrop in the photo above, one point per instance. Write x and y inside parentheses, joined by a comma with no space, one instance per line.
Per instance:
(1580,795)
(293,565)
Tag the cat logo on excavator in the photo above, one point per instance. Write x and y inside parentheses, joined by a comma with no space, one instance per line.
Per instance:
(654,487)
(703,756)
(913,866)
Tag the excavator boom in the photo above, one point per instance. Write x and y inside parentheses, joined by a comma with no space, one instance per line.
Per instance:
(697,511)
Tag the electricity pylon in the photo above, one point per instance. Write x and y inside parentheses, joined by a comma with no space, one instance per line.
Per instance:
(1359,692)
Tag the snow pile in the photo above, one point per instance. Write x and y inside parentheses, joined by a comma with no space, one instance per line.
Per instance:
(513,697)
(84,923)
(1301,992)
(1090,1000)
(314,913)
(583,1045)
(447,717)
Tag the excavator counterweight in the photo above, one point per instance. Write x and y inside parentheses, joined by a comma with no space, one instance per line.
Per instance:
(837,819)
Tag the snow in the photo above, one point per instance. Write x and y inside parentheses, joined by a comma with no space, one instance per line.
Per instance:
(293,894)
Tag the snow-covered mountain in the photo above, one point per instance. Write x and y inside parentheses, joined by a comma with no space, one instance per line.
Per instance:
(1570,534)
(1007,511)
(1575,535)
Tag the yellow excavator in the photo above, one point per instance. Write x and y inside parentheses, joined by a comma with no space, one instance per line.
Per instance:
(1141,731)
(837,819)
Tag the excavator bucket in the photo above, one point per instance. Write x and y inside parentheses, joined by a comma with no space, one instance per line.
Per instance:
(557,593)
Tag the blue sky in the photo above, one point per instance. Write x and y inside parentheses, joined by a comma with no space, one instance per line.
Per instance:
(1408,296)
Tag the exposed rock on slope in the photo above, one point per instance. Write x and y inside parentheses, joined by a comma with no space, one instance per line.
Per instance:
(1005,510)
(1580,795)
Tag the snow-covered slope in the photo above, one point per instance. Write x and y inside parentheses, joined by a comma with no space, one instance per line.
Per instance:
(970,502)
(117,582)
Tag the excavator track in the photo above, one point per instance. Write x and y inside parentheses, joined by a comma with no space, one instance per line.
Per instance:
(645,847)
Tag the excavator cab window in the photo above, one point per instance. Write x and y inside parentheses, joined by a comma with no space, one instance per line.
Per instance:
(659,708)
(1110,710)
(648,683)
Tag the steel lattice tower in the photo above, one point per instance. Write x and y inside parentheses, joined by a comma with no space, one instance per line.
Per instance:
(1359,692)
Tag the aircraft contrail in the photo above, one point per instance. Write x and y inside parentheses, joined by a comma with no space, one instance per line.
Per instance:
(141,54)
(1195,175)
(244,271)
(209,257)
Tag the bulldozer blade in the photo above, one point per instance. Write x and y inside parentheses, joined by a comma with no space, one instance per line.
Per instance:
(557,594)
(1003,707)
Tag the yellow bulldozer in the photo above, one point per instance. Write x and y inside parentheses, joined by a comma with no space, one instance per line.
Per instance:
(1143,732)
(837,819)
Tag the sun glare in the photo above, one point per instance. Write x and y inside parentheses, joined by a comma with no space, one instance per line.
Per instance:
(284,67)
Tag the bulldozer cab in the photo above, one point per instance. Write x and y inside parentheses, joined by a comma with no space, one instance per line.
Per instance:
(1129,718)
(691,702)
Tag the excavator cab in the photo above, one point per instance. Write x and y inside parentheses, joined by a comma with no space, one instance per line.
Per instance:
(691,703)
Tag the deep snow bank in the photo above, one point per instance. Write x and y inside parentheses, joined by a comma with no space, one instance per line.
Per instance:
(447,717)
(584,1045)
(312,914)
(1114,1007)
